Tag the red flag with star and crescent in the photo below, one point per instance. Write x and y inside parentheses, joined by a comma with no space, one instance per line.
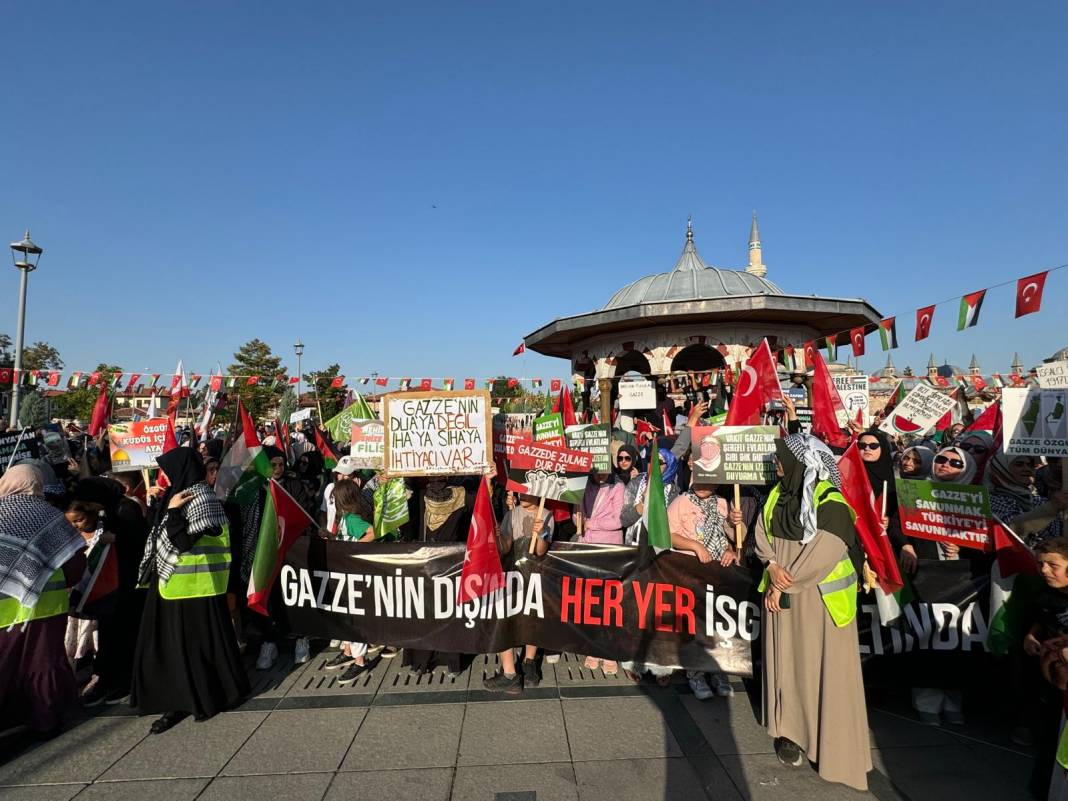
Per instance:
(856,338)
(1029,293)
(923,322)
(758,383)
(810,353)
(481,573)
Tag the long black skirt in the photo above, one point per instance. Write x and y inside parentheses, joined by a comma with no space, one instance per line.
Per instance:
(187,658)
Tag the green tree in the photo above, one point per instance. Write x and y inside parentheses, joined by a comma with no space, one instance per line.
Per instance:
(330,400)
(7,356)
(287,405)
(41,356)
(77,404)
(32,410)
(515,399)
(255,358)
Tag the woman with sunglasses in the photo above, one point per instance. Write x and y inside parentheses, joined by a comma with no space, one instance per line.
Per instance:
(628,464)
(979,445)
(878,456)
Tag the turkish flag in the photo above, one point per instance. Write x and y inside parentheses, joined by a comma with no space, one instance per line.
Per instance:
(53,379)
(253,380)
(1029,293)
(469,383)
(873,538)
(425,384)
(554,385)
(978,382)
(134,378)
(826,406)
(810,353)
(758,383)
(481,573)
(99,420)
(381,381)
(5,375)
(923,322)
(216,383)
(521,349)
(512,383)
(94,378)
(941,380)
(338,382)
(856,337)
(563,405)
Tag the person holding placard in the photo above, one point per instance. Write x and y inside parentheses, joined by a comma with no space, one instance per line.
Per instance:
(1011,481)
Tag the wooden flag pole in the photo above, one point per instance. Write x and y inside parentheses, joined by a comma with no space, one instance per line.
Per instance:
(884,502)
(534,537)
(739,529)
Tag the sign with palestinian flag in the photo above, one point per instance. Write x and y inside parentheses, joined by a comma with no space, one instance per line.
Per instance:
(549,428)
(734,454)
(367,443)
(855,394)
(437,433)
(135,446)
(1035,420)
(952,513)
(970,305)
(918,412)
(544,471)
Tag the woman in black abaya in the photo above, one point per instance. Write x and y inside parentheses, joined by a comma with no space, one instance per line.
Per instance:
(187,662)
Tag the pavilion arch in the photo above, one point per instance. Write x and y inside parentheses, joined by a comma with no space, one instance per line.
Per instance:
(697,357)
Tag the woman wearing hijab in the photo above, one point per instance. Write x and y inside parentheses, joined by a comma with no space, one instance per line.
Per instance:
(40,559)
(877,454)
(634,496)
(916,463)
(598,516)
(1011,481)
(628,464)
(186,662)
(979,445)
(813,692)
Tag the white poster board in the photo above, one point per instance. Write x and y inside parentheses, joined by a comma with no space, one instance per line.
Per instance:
(636,393)
(918,412)
(853,390)
(367,443)
(302,414)
(437,433)
(1035,421)
(1053,375)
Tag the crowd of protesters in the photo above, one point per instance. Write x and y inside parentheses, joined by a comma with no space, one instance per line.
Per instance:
(171,633)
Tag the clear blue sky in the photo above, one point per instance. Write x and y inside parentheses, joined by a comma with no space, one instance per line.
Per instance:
(411,188)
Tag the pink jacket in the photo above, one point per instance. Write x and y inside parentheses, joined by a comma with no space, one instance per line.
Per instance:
(601,506)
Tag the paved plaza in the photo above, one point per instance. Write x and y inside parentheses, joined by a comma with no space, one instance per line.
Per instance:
(580,736)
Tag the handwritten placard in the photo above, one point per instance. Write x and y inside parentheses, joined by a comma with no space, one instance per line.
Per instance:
(918,412)
(437,433)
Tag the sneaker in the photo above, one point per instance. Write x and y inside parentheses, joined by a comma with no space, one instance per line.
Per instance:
(268,656)
(530,673)
(552,659)
(722,685)
(701,690)
(335,643)
(389,652)
(788,752)
(354,672)
(94,694)
(339,661)
(500,683)
(301,651)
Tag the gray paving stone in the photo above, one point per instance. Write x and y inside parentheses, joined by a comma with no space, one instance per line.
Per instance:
(729,726)
(278,681)
(760,777)
(78,755)
(617,728)
(425,736)
(640,780)
(513,732)
(291,787)
(956,773)
(190,749)
(551,782)
(432,784)
(158,790)
(895,731)
(45,792)
(570,672)
(297,740)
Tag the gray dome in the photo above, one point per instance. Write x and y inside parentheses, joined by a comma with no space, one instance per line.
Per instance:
(691,279)
(1059,356)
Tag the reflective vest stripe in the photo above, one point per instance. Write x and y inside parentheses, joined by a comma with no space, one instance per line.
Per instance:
(202,571)
(209,549)
(838,584)
(54,600)
(203,567)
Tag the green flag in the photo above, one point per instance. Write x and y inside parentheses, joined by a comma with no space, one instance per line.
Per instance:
(391,507)
(340,425)
(657,534)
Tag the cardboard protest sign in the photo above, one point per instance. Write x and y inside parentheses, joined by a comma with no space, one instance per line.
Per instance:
(594,439)
(918,412)
(804,418)
(1053,375)
(853,390)
(1035,423)
(18,444)
(367,443)
(437,433)
(556,474)
(54,445)
(135,446)
(955,513)
(734,454)
(301,414)
(636,393)
(549,428)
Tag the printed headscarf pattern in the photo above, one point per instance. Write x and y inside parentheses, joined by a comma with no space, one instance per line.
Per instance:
(35,537)
(819,465)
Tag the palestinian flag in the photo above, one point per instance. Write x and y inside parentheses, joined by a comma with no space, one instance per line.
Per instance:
(405,384)
(888,332)
(995,379)
(391,507)
(231,381)
(364,381)
(154,379)
(448,384)
(340,425)
(786,356)
(116,380)
(194,380)
(101,576)
(330,456)
(655,533)
(1014,582)
(535,383)
(282,522)
(890,605)
(245,467)
(831,343)
(969,309)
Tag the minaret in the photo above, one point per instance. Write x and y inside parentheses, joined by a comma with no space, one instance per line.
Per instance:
(756,262)
(974,367)
(932,368)
(1017,365)
(890,371)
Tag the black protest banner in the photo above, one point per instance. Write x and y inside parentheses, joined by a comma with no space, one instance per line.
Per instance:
(17,446)
(586,599)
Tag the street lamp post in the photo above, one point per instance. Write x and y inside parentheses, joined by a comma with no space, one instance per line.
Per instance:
(25,254)
(298,348)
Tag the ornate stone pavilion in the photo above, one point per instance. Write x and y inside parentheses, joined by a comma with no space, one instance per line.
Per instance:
(694,317)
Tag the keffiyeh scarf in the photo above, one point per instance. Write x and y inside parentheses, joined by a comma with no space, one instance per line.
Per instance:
(819,465)
(35,541)
(710,529)
(204,511)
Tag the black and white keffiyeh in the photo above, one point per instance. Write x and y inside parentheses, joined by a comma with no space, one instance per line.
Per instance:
(35,541)
(818,464)
(204,511)
(710,528)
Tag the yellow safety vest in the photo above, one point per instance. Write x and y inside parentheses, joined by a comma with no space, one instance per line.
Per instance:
(202,571)
(839,587)
(54,600)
